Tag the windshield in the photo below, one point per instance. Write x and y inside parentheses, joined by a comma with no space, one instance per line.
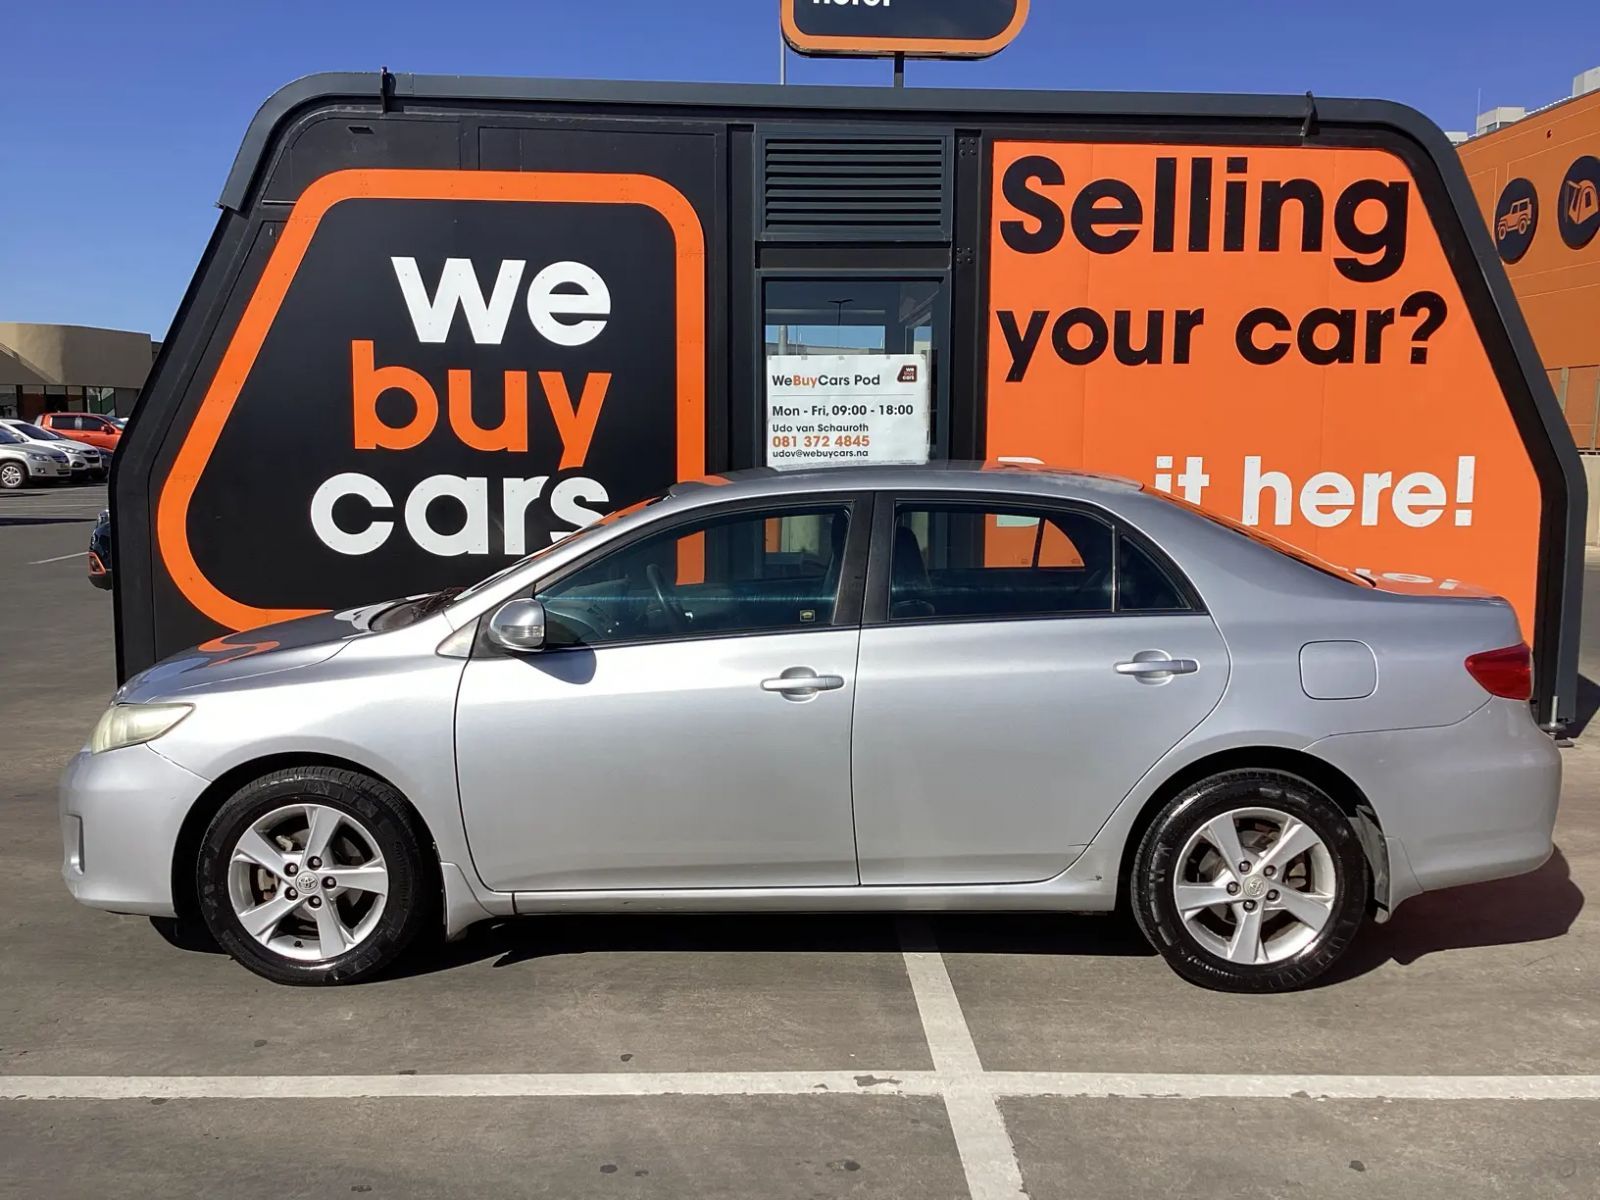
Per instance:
(36,433)
(1272,543)
(609,519)
(408,612)
(9,437)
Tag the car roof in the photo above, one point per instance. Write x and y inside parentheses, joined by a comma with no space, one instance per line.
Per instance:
(1022,477)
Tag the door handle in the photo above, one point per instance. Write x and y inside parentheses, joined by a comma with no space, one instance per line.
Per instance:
(1145,668)
(802,680)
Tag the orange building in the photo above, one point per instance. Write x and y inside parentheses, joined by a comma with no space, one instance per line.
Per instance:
(1537,181)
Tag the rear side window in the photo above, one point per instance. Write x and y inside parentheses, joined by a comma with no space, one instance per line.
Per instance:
(1143,584)
(953,560)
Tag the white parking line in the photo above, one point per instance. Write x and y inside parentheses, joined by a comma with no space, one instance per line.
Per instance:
(1110,1086)
(987,1154)
(39,562)
(341,1087)
(1092,1085)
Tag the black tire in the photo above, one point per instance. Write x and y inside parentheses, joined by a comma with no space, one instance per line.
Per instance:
(13,475)
(413,898)
(1156,908)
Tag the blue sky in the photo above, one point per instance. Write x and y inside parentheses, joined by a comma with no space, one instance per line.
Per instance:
(118,121)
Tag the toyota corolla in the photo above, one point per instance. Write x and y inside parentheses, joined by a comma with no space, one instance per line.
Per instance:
(870,689)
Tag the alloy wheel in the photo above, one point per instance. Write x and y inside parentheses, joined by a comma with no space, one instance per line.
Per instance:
(11,475)
(1255,886)
(308,881)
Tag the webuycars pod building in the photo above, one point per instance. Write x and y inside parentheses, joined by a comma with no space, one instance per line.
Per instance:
(443,321)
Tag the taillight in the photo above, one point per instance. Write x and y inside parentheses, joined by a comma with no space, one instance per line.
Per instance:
(1505,672)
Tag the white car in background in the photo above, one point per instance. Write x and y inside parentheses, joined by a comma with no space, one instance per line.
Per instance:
(85,461)
(23,462)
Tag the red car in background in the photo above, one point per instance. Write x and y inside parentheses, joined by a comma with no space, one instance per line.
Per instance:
(91,428)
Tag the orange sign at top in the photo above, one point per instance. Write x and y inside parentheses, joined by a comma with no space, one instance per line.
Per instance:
(1272,333)
(918,28)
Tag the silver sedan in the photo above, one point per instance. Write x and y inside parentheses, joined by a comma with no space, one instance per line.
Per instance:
(857,689)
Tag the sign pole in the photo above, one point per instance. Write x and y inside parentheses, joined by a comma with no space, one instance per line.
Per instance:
(900,70)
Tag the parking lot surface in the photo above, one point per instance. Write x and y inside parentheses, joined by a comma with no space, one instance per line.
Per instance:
(1456,1052)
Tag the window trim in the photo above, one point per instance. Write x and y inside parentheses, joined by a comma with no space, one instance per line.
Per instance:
(1164,563)
(847,611)
(876,609)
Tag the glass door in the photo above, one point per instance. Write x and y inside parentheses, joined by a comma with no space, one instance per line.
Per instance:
(852,369)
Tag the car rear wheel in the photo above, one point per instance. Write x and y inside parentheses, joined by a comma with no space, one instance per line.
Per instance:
(12,476)
(315,875)
(1250,881)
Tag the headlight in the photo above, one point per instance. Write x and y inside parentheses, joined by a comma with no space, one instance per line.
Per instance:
(129,724)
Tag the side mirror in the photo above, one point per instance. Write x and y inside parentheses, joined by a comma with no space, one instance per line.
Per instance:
(518,626)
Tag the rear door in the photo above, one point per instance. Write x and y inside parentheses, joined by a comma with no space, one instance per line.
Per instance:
(1022,665)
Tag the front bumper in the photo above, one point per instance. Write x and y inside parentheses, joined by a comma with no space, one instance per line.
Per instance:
(1464,803)
(49,470)
(120,816)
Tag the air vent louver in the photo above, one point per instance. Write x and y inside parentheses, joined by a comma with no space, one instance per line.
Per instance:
(841,185)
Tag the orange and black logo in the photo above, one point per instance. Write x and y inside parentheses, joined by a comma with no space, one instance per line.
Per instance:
(439,370)
(920,28)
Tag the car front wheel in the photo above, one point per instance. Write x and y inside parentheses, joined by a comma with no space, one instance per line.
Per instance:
(1250,881)
(12,476)
(315,875)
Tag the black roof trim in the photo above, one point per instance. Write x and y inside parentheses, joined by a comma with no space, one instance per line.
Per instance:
(377,89)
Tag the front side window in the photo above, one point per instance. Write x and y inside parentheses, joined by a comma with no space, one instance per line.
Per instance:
(954,560)
(749,572)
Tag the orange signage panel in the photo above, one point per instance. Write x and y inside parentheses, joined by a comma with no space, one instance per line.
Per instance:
(919,28)
(1273,333)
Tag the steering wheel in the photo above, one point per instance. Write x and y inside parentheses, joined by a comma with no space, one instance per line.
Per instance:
(677,619)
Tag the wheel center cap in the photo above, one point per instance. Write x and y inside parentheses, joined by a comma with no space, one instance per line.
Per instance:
(1254,886)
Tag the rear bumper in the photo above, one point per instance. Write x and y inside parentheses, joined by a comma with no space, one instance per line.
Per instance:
(1461,804)
(120,816)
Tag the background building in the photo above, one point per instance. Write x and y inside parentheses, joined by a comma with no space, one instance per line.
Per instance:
(71,368)
(1536,176)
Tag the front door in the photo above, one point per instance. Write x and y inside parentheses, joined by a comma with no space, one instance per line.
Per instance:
(688,725)
(994,730)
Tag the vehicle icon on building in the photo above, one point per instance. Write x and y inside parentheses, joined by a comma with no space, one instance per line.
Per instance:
(1518,217)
